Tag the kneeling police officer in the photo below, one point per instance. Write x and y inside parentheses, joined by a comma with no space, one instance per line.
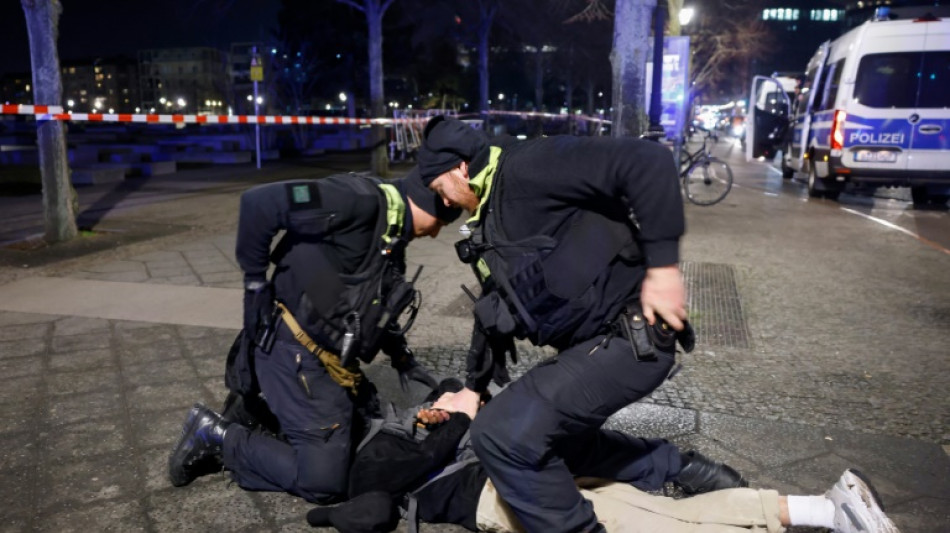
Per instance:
(335,298)
(575,244)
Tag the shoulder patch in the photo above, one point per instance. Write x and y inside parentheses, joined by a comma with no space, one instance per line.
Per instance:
(303,196)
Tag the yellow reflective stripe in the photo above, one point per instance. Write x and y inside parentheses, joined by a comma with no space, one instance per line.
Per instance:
(395,210)
(482,182)
(482,268)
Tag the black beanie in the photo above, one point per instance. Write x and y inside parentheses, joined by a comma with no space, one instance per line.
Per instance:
(427,199)
(372,512)
(446,143)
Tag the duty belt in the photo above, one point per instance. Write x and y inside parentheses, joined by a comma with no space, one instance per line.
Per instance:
(645,339)
(347,377)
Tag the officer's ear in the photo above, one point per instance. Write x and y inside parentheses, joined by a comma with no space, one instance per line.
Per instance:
(463,166)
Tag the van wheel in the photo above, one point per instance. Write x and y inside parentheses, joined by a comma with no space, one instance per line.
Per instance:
(813,187)
(924,199)
(821,188)
(787,171)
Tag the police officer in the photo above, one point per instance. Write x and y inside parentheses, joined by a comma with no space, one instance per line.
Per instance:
(575,243)
(335,298)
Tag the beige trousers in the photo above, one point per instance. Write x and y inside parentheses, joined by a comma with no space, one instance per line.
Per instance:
(624,509)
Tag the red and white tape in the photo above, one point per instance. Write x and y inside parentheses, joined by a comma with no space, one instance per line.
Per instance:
(53,112)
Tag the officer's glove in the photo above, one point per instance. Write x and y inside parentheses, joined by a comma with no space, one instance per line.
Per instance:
(405,363)
(258,307)
(501,348)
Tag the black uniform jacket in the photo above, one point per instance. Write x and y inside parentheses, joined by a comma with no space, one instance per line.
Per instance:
(548,186)
(329,230)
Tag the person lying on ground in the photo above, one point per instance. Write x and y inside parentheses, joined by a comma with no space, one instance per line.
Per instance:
(439,482)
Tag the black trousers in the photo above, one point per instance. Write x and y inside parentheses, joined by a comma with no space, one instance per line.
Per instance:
(316,421)
(545,428)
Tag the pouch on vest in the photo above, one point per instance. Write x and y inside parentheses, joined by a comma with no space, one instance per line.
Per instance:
(239,375)
(348,314)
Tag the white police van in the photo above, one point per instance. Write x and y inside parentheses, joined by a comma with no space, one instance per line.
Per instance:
(873,108)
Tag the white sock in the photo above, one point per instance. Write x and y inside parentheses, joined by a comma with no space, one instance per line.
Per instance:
(815,511)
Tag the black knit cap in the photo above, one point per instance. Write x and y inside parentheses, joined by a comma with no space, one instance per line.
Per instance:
(446,143)
(428,200)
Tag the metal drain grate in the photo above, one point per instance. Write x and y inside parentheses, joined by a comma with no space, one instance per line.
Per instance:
(714,307)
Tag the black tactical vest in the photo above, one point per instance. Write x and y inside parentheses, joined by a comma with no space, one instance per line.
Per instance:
(541,288)
(348,313)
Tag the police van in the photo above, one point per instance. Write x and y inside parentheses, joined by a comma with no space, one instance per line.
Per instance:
(873,107)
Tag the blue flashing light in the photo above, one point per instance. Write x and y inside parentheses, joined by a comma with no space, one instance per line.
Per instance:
(882,13)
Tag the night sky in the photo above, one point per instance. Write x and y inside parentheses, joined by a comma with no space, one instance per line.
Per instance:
(91,28)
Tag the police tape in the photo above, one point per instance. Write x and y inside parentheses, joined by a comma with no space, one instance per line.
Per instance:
(53,112)
(551,116)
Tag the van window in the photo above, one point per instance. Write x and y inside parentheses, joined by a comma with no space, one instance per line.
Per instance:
(888,80)
(935,80)
(833,79)
(807,86)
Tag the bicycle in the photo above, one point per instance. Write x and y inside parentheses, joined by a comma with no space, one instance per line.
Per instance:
(706,178)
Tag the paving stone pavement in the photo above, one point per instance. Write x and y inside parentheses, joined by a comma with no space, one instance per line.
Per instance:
(90,406)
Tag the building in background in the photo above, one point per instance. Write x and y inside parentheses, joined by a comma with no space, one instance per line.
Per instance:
(859,11)
(239,72)
(101,85)
(16,88)
(184,80)
(798,27)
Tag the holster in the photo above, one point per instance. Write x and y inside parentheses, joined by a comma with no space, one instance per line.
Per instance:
(633,327)
(645,339)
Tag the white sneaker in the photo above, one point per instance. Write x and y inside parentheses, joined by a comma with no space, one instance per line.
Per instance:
(858,509)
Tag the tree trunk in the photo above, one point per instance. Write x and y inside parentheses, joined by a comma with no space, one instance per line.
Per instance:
(673,8)
(379,159)
(42,22)
(628,60)
(589,91)
(483,33)
(539,78)
(487,10)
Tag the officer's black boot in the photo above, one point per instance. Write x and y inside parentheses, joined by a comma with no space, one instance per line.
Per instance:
(250,411)
(198,451)
(700,474)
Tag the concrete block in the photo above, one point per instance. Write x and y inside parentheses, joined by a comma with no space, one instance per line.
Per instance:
(98,174)
(120,157)
(153,168)
(83,154)
(19,155)
(213,157)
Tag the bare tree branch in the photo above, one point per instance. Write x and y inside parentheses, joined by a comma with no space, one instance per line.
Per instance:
(353,4)
(594,11)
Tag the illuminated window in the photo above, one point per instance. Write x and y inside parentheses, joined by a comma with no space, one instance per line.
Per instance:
(825,15)
(781,13)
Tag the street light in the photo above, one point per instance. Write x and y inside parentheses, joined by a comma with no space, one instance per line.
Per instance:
(686,15)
